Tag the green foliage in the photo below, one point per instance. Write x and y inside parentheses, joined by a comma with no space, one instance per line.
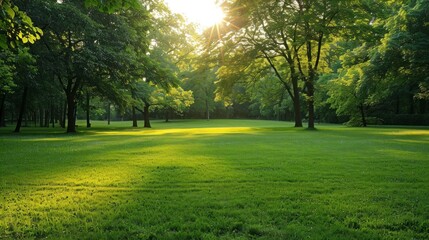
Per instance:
(15,26)
(111,6)
(175,99)
(220,179)
(350,89)
(200,78)
(7,70)
(403,55)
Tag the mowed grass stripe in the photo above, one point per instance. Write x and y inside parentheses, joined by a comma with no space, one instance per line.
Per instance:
(220,179)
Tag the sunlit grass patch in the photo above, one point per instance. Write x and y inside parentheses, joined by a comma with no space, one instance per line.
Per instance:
(183,131)
(221,179)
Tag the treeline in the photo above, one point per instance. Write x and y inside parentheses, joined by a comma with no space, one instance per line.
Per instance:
(58,57)
(308,61)
(361,62)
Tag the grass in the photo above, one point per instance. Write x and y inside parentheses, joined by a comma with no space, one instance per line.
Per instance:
(220,179)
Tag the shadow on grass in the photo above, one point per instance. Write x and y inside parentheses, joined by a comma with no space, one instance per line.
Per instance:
(238,182)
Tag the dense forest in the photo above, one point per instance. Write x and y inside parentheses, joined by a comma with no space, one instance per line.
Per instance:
(342,61)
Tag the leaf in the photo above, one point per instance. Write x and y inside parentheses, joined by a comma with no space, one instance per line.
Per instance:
(10,11)
(3,42)
(39,31)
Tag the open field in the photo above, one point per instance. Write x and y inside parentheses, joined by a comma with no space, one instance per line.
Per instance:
(220,179)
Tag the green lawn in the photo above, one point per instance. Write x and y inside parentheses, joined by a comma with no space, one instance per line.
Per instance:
(220,179)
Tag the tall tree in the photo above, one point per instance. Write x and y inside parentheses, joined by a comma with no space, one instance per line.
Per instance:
(290,36)
(26,70)
(87,47)
(403,54)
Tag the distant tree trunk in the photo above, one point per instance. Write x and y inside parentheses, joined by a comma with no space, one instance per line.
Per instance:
(64,115)
(134,117)
(108,114)
(362,113)
(21,110)
(279,106)
(146,115)
(88,121)
(422,106)
(207,109)
(2,111)
(52,115)
(310,101)
(26,120)
(71,113)
(411,107)
(46,124)
(167,114)
(397,109)
(41,114)
(35,118)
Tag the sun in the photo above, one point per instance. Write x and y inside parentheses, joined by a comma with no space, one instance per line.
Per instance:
(204,13)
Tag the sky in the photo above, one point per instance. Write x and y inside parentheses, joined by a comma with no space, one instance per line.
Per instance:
(205,13)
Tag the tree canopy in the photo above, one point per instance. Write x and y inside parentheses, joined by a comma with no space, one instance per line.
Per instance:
(300,60)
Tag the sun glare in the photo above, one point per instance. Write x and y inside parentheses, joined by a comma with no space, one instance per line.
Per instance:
(204,13)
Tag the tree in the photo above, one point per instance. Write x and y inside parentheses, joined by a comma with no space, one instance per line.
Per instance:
(174,100)
(90,48)
(26,70)
(201,81)
(290,36)
(402,57)
(386,67)
(348,93)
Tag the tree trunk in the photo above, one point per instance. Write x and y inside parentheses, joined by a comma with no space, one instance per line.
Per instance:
(46,124)
(397,109)
(279,107)
(108,114)
(146,116)
(52,115)
(71,113)
(22,110)
(134,117)
(310,102)
(41,114)
(64,114)
(88,121)
(35,118)
(2,111)
(167,113)
(422,106)
(296,104)
(26,120)
(207,109)
(362,113)
(411,107)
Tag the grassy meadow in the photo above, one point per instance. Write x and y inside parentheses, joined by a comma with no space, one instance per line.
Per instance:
(219,179)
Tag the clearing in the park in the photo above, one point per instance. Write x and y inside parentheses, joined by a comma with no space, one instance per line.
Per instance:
(219,179)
